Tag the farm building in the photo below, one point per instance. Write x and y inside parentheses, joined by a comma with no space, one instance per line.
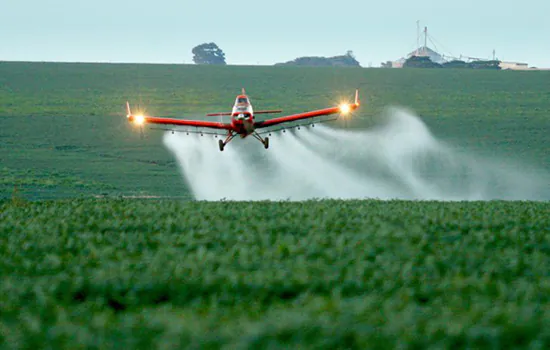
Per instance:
(423,51)
(451,60)
(513,65)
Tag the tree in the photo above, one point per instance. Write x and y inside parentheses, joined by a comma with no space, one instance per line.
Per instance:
(208,53)
(456,64)
(346,60)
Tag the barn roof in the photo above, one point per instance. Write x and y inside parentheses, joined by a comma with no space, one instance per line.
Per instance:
(424,51)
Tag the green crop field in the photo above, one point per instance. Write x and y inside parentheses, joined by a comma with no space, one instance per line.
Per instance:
(83,272)
(321,274)
(63,131)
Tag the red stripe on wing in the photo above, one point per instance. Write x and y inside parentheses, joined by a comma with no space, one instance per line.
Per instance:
(184,122)
(291,118)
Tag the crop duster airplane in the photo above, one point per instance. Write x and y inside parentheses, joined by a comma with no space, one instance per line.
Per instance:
(243,122)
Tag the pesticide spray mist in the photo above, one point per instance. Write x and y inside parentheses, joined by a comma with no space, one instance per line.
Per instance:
(399,159)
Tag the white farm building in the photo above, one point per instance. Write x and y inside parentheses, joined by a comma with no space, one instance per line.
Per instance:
(422,52)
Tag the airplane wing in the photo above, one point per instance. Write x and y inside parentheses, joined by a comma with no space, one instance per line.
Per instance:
(344,108)
(142,119)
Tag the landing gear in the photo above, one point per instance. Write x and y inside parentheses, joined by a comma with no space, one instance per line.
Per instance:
(229,137)
(265,141)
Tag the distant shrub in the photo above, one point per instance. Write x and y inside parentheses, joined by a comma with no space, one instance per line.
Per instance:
(426,62)
(455,64)
(347,60)
(420,62)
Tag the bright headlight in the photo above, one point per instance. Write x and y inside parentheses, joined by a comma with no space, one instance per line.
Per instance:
(139,119)
(344,108)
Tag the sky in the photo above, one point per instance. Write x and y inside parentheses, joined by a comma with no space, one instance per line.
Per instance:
(266,32)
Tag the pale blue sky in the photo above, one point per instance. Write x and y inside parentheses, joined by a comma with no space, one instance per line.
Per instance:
(260,32)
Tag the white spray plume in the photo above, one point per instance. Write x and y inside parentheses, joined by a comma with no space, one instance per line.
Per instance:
(398,160)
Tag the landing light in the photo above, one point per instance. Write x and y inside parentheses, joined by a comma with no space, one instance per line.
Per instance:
(344,108)
(139,119)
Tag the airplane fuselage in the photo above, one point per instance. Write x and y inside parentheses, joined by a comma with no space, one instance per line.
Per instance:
(242,116)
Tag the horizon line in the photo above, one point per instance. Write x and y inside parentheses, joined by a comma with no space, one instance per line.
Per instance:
(221,65)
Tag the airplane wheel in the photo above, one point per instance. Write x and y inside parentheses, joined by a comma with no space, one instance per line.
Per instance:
(266,143)
(221,144)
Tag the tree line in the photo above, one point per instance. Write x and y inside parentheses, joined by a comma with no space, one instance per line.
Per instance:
(210,53)
(426,62)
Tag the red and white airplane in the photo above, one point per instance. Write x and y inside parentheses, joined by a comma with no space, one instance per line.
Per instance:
(243,121)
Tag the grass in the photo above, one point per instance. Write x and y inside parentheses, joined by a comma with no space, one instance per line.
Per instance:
(70,118)
(85,272)
(140,273)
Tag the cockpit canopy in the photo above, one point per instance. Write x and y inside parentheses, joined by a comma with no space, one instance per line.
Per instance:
(242,99)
